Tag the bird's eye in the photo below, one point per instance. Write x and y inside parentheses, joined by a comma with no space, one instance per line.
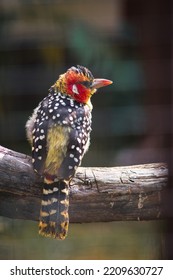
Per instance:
(87,84)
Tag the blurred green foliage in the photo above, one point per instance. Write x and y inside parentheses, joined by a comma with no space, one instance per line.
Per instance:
(116,240)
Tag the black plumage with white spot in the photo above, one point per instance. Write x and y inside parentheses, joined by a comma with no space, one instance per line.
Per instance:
(61,110)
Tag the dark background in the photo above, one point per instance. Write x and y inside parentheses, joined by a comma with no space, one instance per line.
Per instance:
(127,41)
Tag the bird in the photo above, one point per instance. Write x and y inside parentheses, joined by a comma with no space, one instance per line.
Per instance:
(59,133)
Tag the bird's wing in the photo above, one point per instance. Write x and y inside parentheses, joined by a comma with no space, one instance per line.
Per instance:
(39,138)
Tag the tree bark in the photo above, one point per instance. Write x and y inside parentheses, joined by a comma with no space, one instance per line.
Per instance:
(97,194)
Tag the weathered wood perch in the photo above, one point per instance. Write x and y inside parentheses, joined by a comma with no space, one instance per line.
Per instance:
(97,194)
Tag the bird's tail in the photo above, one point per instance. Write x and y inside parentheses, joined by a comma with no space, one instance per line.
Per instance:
(54,219)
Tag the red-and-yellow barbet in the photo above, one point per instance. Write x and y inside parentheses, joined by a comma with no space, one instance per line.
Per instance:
(59,133)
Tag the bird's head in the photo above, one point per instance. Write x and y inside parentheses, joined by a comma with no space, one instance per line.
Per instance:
(79,83)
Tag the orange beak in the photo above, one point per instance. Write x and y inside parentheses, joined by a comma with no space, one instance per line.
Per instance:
(97,83)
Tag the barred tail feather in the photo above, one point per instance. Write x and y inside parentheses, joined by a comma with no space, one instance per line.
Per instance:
(54,219)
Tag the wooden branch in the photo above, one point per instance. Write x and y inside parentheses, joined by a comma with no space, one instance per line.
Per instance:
(96,194)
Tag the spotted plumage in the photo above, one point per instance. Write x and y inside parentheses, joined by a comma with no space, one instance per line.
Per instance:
(59,132)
